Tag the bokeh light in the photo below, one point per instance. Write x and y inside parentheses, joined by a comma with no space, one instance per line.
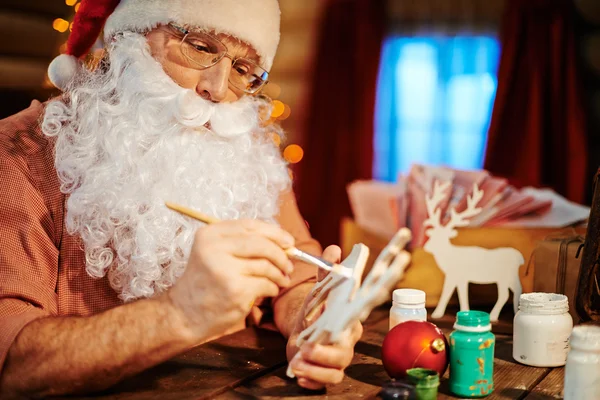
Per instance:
(60,25)
(71,3)
(293,153)
(77,6)
(286,113)
(278,109)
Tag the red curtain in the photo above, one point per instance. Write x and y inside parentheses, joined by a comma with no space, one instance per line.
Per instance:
(537,132)
(338,136)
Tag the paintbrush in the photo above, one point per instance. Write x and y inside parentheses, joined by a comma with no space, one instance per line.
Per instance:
(292,252)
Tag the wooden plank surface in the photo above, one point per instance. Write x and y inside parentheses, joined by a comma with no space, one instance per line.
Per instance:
(365,377)
(551,387)
(212,368)
(206,370)
(251,364)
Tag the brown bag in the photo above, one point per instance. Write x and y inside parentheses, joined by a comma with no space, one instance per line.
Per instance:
(588,288)
(557,265)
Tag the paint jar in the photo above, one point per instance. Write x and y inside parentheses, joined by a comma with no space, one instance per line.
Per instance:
(426,382)
(407,305)
(582,373)
(472,355)
(541,330)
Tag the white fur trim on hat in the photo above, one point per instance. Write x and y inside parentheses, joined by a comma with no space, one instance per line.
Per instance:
(255,22)
(63,69)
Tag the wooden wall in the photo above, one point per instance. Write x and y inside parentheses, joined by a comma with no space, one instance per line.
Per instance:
(292,69)
(28,41)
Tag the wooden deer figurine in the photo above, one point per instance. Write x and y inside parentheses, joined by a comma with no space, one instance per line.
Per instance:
(348,299)
(464,264)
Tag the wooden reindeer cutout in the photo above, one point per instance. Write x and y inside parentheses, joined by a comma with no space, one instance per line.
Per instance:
(464,264)
(346,299)
(356,261)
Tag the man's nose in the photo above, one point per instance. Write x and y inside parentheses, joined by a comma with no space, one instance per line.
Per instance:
(214,81)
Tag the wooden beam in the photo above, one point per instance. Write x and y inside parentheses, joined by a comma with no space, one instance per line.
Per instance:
(23,35)
(22,74)
(48,8)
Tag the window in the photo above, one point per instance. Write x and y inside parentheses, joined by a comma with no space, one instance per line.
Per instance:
(434,102)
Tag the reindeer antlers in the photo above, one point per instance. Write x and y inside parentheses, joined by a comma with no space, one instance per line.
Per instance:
(462,219)
(433,201)
(456,219)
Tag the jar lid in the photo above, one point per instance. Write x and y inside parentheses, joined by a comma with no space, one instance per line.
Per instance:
(423,378)
(544,303)
(473,321)
(409,296)
(586,337)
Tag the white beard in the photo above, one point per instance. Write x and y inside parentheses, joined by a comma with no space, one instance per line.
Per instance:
(127,140)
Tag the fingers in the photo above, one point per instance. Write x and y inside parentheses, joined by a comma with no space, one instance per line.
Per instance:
(317,365)
(262,268)
(333,254)
(244,246)
(337,357)
(334,356)
(310,384)
(244,226)
(263,287)
(316,373)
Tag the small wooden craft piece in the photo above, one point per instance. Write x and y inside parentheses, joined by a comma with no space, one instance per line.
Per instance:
(346,299)
(464,264)
(356,262)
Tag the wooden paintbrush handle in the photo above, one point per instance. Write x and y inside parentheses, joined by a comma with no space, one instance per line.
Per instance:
(192,213)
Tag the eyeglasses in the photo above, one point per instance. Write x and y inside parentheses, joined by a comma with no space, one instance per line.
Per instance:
(203,51)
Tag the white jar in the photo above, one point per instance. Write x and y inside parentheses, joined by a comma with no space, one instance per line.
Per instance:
(541,330)
(582,373)
(407,305)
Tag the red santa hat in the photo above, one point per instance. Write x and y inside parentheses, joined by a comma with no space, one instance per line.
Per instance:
(255,22)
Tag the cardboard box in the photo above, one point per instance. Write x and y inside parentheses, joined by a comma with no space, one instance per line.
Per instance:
(424,274)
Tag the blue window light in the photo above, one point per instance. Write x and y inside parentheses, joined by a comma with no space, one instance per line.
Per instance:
(434,102)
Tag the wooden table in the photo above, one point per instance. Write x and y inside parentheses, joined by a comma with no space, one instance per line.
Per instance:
(251,364)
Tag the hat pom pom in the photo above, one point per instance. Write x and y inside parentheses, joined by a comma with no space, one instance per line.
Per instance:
(63,69)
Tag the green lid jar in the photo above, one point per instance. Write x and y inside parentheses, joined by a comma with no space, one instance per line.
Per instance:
(426,382)
(472,355)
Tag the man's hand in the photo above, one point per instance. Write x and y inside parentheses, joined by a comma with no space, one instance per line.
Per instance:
(317,365)
(231,265)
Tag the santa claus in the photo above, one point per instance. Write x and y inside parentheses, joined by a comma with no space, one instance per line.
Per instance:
(98,279)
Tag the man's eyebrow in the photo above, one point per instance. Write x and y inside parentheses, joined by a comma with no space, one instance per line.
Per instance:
(243,49)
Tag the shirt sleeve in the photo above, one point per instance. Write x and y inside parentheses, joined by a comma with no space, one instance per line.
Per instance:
(28,253)
(291,220)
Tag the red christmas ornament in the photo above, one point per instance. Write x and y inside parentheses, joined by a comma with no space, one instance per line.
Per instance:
(414,344)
